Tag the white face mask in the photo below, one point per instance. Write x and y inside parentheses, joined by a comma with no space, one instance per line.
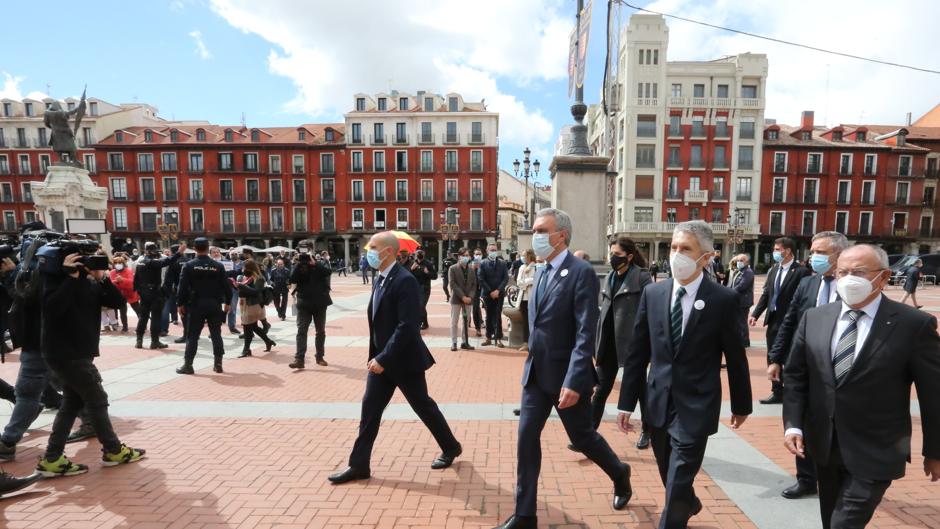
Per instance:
(119,267)
(853,289)
(683,266)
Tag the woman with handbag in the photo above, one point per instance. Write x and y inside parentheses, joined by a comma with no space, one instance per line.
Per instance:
(250,301)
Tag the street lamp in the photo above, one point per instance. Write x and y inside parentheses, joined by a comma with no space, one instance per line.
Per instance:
(525,173)
(735,232)
(450,232)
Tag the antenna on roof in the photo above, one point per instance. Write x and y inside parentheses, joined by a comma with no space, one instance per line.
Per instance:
(243,120)
(48,90)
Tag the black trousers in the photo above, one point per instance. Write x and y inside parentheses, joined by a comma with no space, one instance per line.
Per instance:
(524,309)
(379,391)
(255,329)
(425,297)
(81,387)
(477,313)
(607,375)
(745,332)
(280,302)
(678,460)
(151,309)
(846,501)
(535,409)
(772,327)
(494,317)
(196,318)
(806,470)
(304,317)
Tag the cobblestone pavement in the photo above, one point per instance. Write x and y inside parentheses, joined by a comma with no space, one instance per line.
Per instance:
(252,447)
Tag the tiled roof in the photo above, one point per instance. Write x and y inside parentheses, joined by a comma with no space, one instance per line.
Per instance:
(315,134)
(822,138)
(930,119)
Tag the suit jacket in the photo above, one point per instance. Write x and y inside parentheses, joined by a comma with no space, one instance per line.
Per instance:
(563,326)
(787,289)
(493,276)
(803,300)
(743,284)
(460,287)
(395,336)
(869,411)
(621,306)
(687,380)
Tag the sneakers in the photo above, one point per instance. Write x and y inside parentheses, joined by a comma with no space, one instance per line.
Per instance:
(10,483)
(124,456)
(83,432)
(60,467)
(7,452)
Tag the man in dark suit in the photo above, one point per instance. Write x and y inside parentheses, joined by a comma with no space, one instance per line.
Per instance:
(742,282)
(848,388)
(559,370)
(815,290)
(782,279)
(494,275)
(398,358)
(682,332)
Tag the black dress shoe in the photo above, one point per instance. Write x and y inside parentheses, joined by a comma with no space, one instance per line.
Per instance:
(350,474)
(774,398)
(520,522)
(696,508)
(623,490)
(799,490)
(181,339)
(644,441)
(10,483)
(185,369)
(516,412)
(573,448)
(447,458)
(467,347)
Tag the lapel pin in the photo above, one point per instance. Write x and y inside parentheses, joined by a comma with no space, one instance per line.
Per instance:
(699,304)
(564,272)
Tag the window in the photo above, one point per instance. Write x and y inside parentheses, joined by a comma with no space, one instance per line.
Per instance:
(676,90)
(252,190)
(401,216)
(451,132)
(697,161)
(864,223)
(330,135)
(358,218)
(476,220)
(868,192)
(29,109)
(429,104)
(810,191)
(274,164)
(871,164)
(698,127)
(452,104)
(228,135)
(646,127)
(427,219)
(225,161)
(773,134)
(722,91)
(476,190)
(29,216)
(426,132)
(837,135)
(401,133)
(904,166)
(8,110)
(695,183)
(646,156)
(357,161)
(89,164)
(642,214)
(721,128)
(718,215)
(250,161)
(378,131)
(776,222)
(299,190)
(401,190)
(450,190)
(427,190)
(383,104)
(780,190)
(276,191)
(814,163)
(670,214)
(44,162)
(809,223)
(200,135)
(845,164)
(476,132)
(326,164)
(721,159)
(148,221)
(718,188)
(4,165)
(378,190)
(300,219)
(169,189)
(255,136)
(401,161)
(298,163)
(780,162)
(698,90)
(842,221)
(450,161)
(746,129)
(675,126)
(195,162)
(745,157)
(360,104)
(379,218)
(672,187)
(147,190)
(641,56)
(427,161)
(195,191)
(174,136)
(25,167)
(860,137)
(42,140)
(120,218)
(744,189)
(27,191)
(118,189)
(6,192)
(358,193)
(694,213)
(115,161)
(674,159)
(402,103)
(749,91)
(901,193)
(378,161)
(197,220)
(357,132)
(476,161)
(168,161)
(644,187)
(226,190)
(328,190)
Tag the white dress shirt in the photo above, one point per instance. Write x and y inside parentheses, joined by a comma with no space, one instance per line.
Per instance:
(833,293)
(688,300)
(862,326)
(556,264)
(784,268)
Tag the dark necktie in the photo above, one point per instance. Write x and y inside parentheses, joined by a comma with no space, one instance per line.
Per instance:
(777,281)
(543,281)
(845,349)
(677,319)
(377,294)
(825,292)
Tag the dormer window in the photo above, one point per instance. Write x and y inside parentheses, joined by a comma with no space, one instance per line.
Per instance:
(29,109)
(452,104)
(902,140)
(255,136)
(429,104)
(773,134)
(148,136)
(174,136)
(228,135)
(806,135)
(301,135)
(859,136)
(402,103)
(360,104)
(383,104)
(330,135)
(119,137)
(71,105)
(200,135)
(837,135)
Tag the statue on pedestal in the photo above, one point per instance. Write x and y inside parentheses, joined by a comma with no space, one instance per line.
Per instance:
(62,139)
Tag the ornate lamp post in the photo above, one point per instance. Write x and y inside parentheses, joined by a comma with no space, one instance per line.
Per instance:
(525,174)
(735,231)
(450,232)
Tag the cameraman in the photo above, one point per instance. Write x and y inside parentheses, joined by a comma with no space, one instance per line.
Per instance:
(71,308)
(424,272)
(312,290)
(147,283)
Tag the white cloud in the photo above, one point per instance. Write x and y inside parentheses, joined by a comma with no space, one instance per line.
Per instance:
(332,50)
(201,48)
(11,87)
(798,78)
(177,5)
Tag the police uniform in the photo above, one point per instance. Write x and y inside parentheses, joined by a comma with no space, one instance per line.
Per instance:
(147,282)
(203,289)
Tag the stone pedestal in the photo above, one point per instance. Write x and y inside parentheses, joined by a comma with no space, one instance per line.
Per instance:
(579,188)
(68,193)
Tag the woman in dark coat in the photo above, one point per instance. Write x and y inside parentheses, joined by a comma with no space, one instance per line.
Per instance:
(910,284)
(250,291)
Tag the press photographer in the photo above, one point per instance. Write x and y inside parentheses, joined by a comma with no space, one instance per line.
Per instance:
(312,290)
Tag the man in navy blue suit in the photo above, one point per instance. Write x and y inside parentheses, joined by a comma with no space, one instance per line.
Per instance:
(682,330)
(398,358)
(559,371)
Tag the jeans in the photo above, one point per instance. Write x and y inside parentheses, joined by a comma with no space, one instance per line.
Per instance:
(30,383)
(232,313)
(304,317)
(81,386)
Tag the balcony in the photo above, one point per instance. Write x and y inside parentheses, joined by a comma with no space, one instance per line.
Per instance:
(356,140)
(932,172)
(814,169)
(674,163)
(426,139)
(647,102)
(450,139)
(845,171)
(665,229)
(870,171)
(404,139)
(477,196)
(327,171)
(743,196)
(695,196)
(843,201)
(714,102)
(476,139)
(476,167)
(675,132)
(426,168)
(426,197)
(780,168)
(4,171)
(720,164)
(450,168)
(696,163)
(673,194)
(401,225)
(147,197)
(928,202)
(377,140)
(328,199)
(719,196)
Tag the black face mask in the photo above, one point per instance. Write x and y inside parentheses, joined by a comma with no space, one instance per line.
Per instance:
(616,261)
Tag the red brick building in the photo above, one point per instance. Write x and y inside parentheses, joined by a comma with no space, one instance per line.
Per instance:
(849,179)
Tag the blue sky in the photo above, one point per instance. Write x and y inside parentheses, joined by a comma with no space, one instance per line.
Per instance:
(285,62)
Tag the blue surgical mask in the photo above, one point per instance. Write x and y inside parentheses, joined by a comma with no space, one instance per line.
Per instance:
(373,257)
(741,265)
(541,245)
(465,259)
(820,263)
(478,258)
(492,255)
(778,256)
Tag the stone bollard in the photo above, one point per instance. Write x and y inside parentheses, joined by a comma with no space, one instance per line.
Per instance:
(515,326)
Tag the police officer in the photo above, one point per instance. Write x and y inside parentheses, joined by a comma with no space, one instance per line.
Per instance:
(203,290)
(147,283)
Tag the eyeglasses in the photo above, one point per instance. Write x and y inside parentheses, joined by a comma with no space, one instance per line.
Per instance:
(857,272)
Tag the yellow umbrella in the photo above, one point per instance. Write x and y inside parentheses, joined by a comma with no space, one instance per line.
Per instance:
(405,241)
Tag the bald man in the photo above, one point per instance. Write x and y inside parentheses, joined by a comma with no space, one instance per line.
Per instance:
(398,358)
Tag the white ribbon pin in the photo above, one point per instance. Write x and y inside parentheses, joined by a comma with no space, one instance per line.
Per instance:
(699,304)
(564,272)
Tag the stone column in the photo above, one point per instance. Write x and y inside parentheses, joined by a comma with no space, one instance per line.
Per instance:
(756,253)
(267,243)
(655,252)
(440,254)
(346,248)
(579,187)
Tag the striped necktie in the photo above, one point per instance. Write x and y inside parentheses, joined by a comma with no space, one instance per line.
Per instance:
(845,349)
(677,319)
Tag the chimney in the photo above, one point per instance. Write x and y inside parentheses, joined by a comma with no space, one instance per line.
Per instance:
(908,119)
(806,122)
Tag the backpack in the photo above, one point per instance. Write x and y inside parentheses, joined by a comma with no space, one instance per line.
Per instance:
(267,295)
(27,289)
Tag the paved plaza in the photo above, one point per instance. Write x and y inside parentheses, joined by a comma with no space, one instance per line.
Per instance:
(252,448)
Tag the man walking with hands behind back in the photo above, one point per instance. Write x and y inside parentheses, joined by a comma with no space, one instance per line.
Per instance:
(682,331)
(559,370)
(848,388)
(398,358)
